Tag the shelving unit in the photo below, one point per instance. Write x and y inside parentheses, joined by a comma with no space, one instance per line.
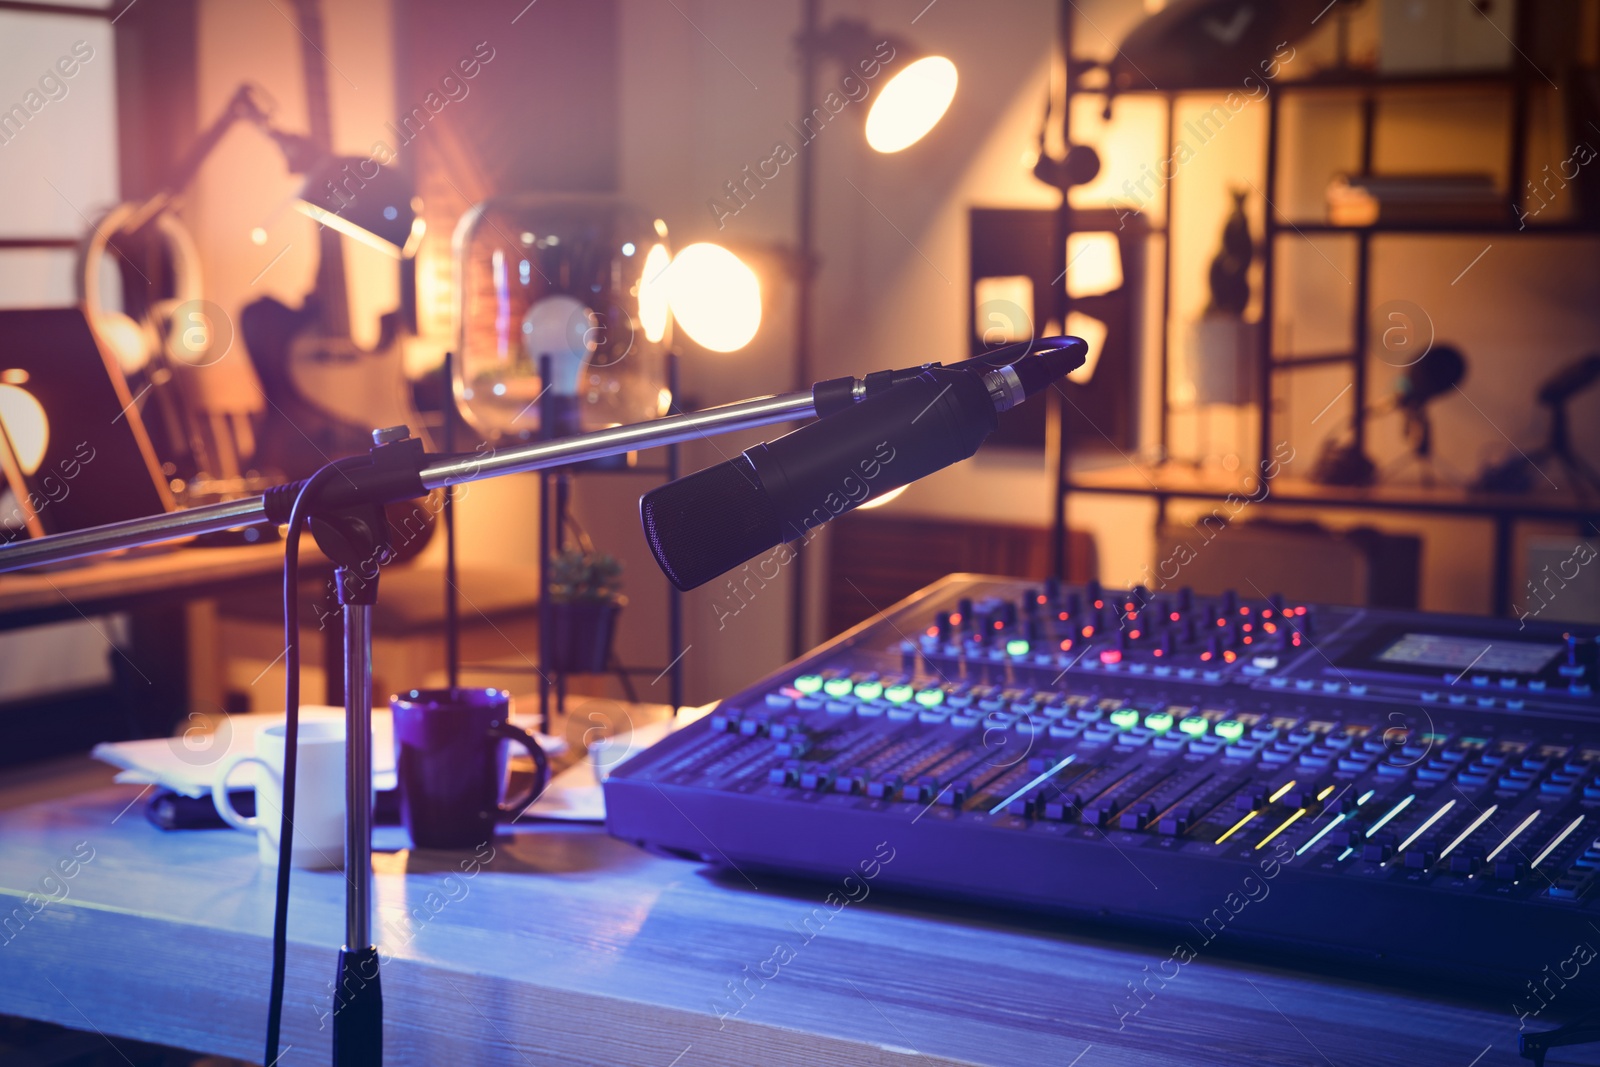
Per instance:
(1518,81)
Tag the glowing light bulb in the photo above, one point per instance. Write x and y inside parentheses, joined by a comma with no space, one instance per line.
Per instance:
(911,104)
(26,425)
(653,293)
(714,296)
(563,328)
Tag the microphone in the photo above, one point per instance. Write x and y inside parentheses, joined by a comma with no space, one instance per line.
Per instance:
(702,525)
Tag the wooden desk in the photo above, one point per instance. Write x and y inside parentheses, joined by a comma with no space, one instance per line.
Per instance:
(572,948)
(153,587)
(102,585)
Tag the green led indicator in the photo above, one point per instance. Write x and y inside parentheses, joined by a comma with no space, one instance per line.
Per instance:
(898,694)
(930,698)
(1194,726)
(869,690)
(808,683)
(1230,729)
(1159,721)
(838,687)
(1018,647)
(1125,718)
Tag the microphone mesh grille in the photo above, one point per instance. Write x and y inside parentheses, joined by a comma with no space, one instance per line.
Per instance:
(709,522)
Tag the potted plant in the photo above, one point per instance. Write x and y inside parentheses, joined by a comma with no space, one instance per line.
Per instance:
(585,597)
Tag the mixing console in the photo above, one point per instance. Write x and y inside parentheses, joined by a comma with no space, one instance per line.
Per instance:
(1420,792)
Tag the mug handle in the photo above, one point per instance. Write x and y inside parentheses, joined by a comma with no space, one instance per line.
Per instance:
(541,768)
(219,792)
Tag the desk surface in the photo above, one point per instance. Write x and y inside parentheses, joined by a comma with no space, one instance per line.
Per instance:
(176,572)
(568,947)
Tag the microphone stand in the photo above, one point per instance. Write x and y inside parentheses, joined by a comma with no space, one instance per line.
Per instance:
(348,522)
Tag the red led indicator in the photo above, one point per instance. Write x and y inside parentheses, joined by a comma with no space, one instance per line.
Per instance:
(1063,616)
(1099,603)
(1230,655)
(933,631)
(1066,645)
(955,618)
(1158,653)
(1205,655)
(1244,609)
(1088,631)
(1247,640)
(1173,617)
(1111,655)
(998,625)
(1133,635)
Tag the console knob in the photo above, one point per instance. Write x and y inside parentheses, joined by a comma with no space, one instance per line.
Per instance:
(1140,597)
(1092,590)
(1185,599)
(1052,589)
(964,606)
(1230,601)
(1074,604)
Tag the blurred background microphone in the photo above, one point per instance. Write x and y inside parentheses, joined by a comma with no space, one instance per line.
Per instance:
(707,523)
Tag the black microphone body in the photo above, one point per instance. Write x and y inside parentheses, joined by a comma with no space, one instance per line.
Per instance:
(700,526)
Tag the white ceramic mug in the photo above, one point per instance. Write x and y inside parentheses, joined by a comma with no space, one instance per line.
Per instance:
(319,794)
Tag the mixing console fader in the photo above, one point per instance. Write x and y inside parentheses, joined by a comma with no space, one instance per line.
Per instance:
(1420,792)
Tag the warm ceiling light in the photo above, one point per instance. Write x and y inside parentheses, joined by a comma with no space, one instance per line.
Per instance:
(653,293)
(911,104)
(24,421)
(714,296)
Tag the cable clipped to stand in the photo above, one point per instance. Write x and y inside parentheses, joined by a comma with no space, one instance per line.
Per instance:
(303,501)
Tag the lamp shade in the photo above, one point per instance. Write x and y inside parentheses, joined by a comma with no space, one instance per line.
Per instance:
(911,103)
(366,201)
(565,294)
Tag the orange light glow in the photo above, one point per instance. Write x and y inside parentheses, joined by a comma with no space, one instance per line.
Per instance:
(911,104)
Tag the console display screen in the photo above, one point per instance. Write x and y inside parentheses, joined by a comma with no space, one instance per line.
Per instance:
(1461,653)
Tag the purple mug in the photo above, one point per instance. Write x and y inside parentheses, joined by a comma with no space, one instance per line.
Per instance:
(450,753)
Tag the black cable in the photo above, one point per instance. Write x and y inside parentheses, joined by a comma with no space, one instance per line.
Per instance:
(309,490)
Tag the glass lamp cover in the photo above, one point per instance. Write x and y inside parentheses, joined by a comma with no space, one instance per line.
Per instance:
(569,284)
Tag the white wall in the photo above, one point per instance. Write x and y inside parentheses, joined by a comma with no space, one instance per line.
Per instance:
(58,171)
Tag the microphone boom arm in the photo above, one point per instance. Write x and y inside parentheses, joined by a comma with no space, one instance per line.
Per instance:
(438,472)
